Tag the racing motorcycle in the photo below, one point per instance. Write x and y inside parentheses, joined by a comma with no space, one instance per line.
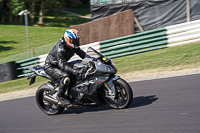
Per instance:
(97,87)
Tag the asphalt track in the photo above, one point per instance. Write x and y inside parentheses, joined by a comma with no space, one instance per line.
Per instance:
(168,105)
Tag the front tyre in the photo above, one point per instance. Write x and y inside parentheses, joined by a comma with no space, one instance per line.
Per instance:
(47,107)
(124,95)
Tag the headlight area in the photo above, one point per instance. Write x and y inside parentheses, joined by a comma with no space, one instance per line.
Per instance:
(108,68)
(108,61)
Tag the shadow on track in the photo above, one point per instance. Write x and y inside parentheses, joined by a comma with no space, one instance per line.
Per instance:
(143,101)
(137,102)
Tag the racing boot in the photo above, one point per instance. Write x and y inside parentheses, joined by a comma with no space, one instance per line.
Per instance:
(61,95)
(63,100)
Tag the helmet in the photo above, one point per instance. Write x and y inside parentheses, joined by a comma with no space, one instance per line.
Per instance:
(72,37)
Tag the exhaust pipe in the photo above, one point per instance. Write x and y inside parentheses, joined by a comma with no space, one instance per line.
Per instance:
(52,100)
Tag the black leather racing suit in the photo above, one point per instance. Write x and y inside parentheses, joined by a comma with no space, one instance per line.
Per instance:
(57,60)
(56,64)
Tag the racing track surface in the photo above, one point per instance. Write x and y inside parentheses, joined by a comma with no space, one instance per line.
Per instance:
(168,105)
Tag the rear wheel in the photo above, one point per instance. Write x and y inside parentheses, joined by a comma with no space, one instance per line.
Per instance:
(124,95)
(47,107)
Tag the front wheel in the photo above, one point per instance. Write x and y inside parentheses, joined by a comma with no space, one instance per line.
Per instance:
(47,107)
(123,97)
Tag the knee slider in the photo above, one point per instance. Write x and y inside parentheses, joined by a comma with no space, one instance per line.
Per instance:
(66,81)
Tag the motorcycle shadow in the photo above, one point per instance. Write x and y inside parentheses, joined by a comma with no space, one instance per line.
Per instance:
(143,101)
(136,102)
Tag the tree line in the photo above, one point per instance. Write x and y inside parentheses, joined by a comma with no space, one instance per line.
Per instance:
(9,9)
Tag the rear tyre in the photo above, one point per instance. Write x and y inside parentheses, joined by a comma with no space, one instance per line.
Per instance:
(124,95)
(47,107)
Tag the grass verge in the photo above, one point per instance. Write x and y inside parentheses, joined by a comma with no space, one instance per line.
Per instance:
(44,49)
(13,37)
(182,57)
(186,55)
(20,84)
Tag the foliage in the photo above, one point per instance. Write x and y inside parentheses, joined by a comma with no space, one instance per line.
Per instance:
(38,7)
(13,38)
(83,9)
(17,6)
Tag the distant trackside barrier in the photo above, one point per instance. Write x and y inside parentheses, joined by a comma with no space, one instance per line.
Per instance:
(133,44)
(8,71)
(22,66)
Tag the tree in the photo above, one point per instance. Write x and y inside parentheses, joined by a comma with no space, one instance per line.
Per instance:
(10,12)
(32,10)
(2,11)
(11,8)
(16,7)
(46,5)
(42,11)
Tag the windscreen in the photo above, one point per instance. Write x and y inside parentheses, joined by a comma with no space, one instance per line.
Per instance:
(93,53)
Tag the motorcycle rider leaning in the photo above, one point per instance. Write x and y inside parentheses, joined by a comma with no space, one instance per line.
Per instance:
(56,65)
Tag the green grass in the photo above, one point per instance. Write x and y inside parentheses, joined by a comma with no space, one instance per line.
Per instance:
(44,49)
(20,84)
(186,56)
(13,37)
(42,38)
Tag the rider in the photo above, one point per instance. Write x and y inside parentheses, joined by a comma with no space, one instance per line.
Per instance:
(56,65)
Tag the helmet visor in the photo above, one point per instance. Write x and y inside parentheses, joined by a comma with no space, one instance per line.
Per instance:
(75,42)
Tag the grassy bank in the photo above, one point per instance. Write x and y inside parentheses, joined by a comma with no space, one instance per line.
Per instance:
(20,84)
(186,55)
(44,49)
(181,57)
(13,37)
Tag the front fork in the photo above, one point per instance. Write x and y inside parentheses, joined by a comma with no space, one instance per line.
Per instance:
(110,91)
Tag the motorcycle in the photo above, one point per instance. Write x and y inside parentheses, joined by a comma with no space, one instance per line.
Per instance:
(97,87)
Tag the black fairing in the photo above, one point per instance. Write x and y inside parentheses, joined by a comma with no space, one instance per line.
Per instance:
(90,85)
